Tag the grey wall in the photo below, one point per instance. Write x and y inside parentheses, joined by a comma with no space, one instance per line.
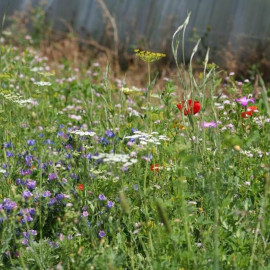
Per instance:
(151,23)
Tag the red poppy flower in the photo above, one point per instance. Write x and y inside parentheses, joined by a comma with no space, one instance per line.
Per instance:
(249,112)
(80,186)
(154,168)
(193,107)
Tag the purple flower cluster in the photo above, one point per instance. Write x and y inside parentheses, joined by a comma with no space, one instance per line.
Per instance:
(29,183)
(8,205)
(27,194)
(52,176)
(27,215)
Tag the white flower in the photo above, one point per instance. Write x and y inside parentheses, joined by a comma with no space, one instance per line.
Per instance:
(42,83)
(146,138)
(115,158)
(75,117)
(83,133)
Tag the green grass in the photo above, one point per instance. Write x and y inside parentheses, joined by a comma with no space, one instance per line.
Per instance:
(206,206)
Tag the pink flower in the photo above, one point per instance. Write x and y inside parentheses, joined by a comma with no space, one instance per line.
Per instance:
(244,101)
(208,124)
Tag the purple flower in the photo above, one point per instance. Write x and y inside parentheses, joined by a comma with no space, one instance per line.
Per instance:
(26,172)
(37,196)
(26,235)
(26,194)
(46,193)
(109,133)
(25,242)
(9,154)
(32,232)
(31,142)
(104,141)
(52,176)
(64,180)
(31,184)
(110,204)
(60,196)
(85,213)
(8,205)
(31,211)
(18,181)
(101,234)
(208,124)
(28,159)
(7,144)
(60,133)
(69,146)
(102,197)
(27,218)
(52,201)
(48,141)
(244,101)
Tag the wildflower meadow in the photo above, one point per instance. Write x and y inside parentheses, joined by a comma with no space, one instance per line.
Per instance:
(98,174)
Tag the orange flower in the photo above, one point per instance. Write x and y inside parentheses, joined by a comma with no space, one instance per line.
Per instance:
(154,168)
(249,112)
(80,186)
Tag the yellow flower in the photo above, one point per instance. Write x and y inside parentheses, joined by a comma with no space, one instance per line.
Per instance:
(133,92)
(147,56)
(237,147)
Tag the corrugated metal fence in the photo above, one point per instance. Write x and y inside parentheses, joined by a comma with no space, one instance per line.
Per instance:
(151,23)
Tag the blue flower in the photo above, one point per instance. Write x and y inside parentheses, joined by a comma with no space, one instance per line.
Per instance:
(9,154)
(31,184)
(31,142)
(48,141)
(110,204)
(104,141)
(7,144)
(26,194)
(109,134)
(52,201)
(101,234)
(60,197)
(102,197)
(46,193)
(52,176)
(8,205)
